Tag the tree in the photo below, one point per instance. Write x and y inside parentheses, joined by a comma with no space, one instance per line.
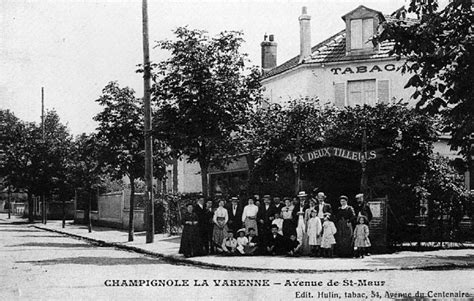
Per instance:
(439,51)
(120,131)
(35,165)
(84,170)
(203,94)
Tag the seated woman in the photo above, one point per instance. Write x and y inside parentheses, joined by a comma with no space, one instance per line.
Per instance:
(191,243)
(229,244)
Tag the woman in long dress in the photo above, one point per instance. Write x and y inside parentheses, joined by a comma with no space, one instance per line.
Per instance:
(344,220)
(287,216)
(249,216)
(220,219)
(191,242)
(301,234)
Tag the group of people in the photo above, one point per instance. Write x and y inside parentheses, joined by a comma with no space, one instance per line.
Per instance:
(303,225)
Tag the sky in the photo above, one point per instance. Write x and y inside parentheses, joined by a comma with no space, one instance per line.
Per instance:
(74,48)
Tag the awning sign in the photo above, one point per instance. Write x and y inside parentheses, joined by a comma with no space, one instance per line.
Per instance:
(333,152)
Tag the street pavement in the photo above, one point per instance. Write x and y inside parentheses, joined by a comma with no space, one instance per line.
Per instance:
(168,246)
(42,265)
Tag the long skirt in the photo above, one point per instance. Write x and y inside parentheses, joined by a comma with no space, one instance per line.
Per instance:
(344,238)
(218,234)
(251,223)
(191,242)
(302,236)
(288,227)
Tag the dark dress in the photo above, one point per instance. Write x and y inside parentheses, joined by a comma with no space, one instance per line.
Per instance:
(344,220)
(191,243)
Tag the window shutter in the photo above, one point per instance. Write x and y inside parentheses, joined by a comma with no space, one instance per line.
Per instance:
(356,34)
(367,32)
(383,91)
(339,95)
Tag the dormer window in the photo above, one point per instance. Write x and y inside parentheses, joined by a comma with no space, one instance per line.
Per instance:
(362,31)
(361,24)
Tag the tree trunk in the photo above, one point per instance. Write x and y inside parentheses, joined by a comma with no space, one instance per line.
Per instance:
(89,209)
(31,209)
(131,226)
(64,213)
(205,184)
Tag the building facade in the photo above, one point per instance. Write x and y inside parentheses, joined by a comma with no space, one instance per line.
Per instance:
(346,69)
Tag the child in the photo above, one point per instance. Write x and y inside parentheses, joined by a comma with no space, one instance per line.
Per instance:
(229,245)
(361,237)
(293,245)
(279,222)
(314,232)
(328,241)
(242,241)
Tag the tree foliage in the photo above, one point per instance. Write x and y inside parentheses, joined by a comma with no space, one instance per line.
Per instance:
(203,94)
(439,53)
(37,165)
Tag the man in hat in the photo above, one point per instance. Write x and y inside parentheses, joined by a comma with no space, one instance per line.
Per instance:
(235,210)
(362,208)
(323,207)
(265,216)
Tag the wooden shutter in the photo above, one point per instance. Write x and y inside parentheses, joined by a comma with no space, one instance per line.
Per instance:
(356,34)
(383,91)
(339,95)
(367,32)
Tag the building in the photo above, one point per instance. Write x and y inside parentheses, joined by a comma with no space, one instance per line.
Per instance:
(346,69)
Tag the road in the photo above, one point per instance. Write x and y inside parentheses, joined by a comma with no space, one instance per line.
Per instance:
(40,265)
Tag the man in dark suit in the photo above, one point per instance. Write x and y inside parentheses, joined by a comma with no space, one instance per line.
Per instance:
(200,210)
(265,216)
(279,203)
(275,244)
(322,206)
(234,210)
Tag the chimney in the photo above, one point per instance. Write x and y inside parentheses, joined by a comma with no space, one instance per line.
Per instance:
(269,53)
(305,34)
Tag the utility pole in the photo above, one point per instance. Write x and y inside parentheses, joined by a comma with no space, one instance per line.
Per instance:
(150,216)
(43,200)
(363,177)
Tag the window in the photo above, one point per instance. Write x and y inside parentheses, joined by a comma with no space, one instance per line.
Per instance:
(361,92)
(362,31)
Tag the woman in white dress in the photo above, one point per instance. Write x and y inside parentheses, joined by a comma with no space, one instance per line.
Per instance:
(249,216)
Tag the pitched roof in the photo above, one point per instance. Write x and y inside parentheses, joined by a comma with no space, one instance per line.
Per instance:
(333,49)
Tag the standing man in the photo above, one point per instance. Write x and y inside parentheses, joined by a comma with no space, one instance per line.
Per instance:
(361,208)
(235,214)
(200,210)
(279,203)
(265,216)
(323,207)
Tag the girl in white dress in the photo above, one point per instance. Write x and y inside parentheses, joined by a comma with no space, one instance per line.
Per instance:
(314,232)
(328,240)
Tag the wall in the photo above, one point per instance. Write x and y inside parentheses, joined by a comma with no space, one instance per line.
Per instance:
(318,80)
(189,177)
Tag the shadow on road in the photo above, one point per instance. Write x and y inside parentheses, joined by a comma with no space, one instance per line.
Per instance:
(19,230)
(41,236)
(100,261)
(50,245)
(426,261)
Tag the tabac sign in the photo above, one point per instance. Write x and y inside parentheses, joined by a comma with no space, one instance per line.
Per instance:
(334,152)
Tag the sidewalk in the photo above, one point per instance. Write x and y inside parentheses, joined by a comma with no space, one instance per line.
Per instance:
(167,247)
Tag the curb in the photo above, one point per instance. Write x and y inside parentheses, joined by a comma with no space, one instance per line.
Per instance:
(184,261)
